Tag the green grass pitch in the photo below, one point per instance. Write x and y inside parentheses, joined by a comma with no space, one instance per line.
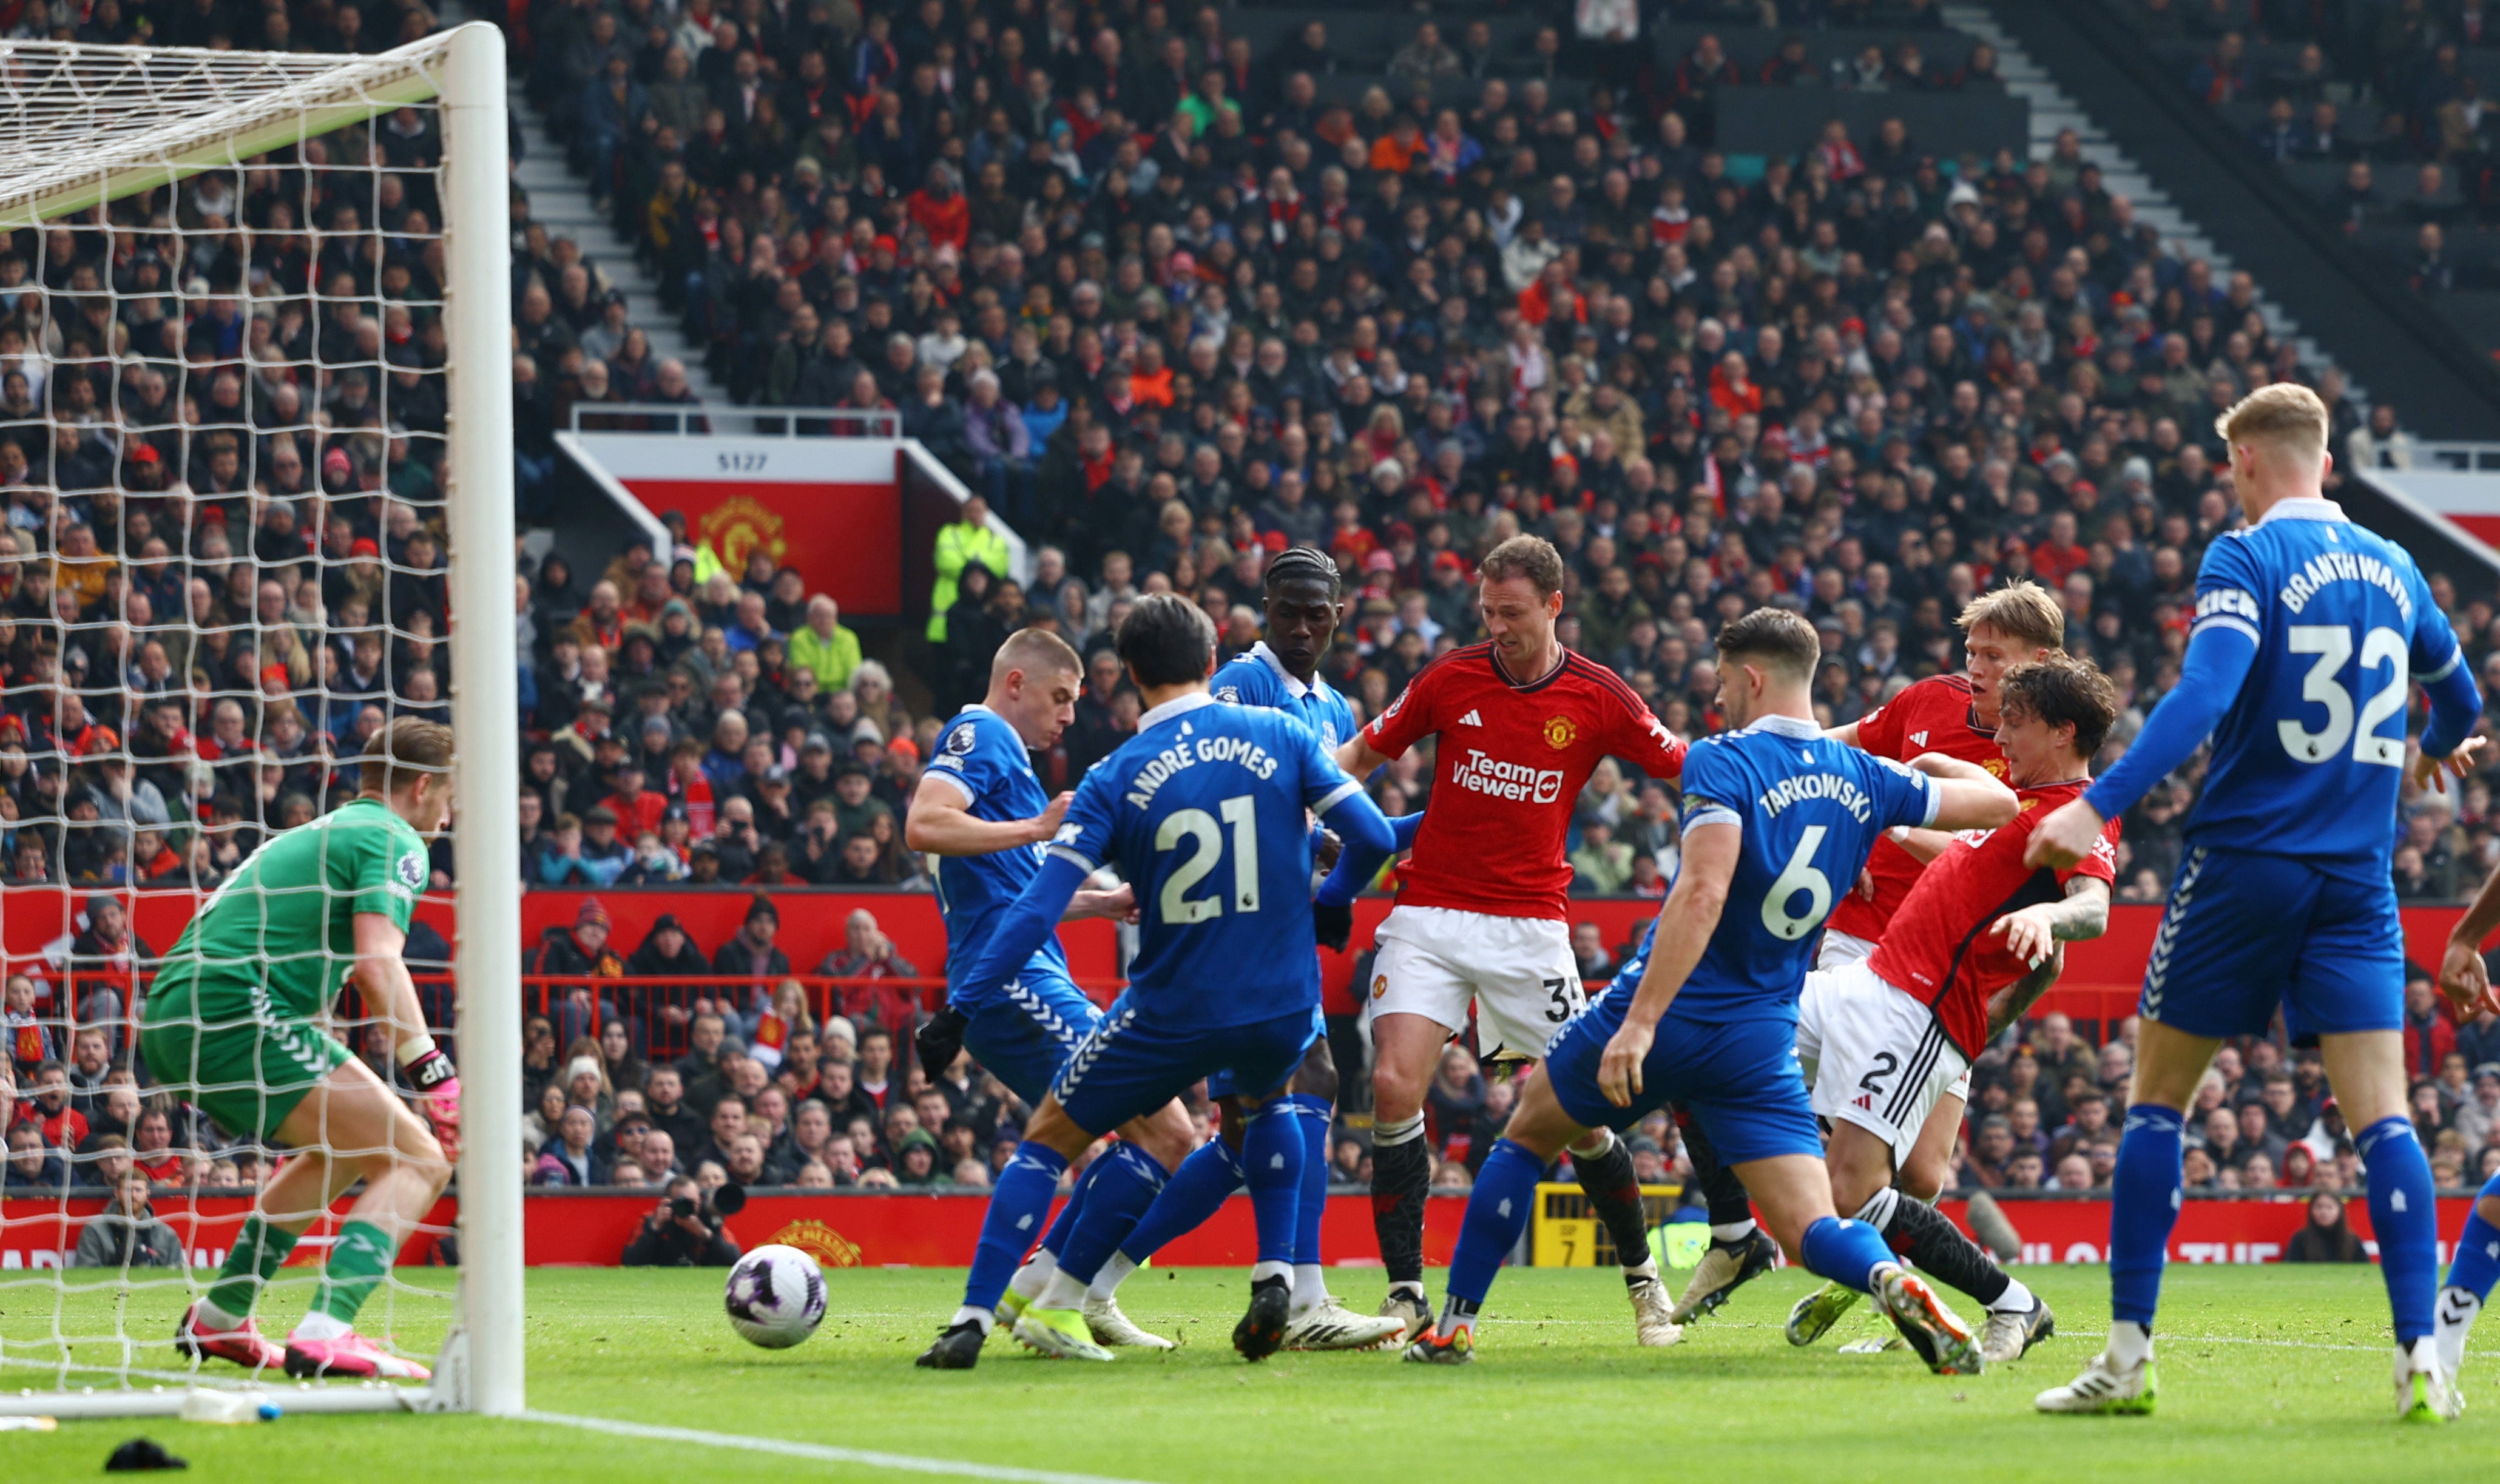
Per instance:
(2279,1373)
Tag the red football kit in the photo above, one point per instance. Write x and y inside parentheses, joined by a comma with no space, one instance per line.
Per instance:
(1509,767)
(1939,950)
(1934,715)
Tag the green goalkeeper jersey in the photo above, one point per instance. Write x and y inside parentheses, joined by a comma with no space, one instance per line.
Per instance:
(283,924)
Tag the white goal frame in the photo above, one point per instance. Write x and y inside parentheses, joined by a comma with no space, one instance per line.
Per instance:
(216,122)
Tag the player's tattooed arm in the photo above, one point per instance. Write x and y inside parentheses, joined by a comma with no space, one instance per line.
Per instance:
(2034,932)
(2015,1001)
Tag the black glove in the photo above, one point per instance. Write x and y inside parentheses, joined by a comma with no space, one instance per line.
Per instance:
(1333,926)
(939,1042)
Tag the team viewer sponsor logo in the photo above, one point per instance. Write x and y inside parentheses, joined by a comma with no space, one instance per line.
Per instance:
(1507,780)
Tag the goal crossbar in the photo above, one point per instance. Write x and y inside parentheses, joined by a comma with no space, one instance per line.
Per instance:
(83,124)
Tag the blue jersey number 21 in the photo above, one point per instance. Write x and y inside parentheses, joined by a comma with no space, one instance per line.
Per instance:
(1176,906)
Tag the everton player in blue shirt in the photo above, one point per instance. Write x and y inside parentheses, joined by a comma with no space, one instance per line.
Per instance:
(1206,809)
(1281,672)
(2307,630)
(980,809)
(1777,820)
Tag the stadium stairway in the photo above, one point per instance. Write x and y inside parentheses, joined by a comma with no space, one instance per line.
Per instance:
(2054,110)
(561,201)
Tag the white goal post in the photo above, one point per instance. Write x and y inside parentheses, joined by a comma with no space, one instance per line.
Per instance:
(84,126)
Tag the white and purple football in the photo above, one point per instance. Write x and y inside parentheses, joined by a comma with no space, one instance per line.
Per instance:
(776,1297)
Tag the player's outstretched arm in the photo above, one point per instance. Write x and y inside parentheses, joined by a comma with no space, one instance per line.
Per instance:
(1845,734)
(1921,845)
(1369,843)
(2462,976)
(2015,1001)
(382,981)
(1711,845)
(1027,923)
(1968,797)
(1358,756)
(942,822)
(2217,664)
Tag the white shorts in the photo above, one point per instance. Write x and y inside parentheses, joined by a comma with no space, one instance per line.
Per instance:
(1839,951)
(1874,1056)
(1519,970)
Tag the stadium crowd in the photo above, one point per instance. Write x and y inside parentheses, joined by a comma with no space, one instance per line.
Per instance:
(1171,301)
(2381,113)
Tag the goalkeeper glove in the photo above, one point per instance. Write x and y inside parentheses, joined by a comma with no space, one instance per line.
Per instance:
(438,1091)
(940,1041)
(1333,926)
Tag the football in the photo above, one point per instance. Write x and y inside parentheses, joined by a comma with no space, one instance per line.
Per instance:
(776,1297)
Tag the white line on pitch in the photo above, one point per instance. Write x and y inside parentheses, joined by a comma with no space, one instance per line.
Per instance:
(820,1452)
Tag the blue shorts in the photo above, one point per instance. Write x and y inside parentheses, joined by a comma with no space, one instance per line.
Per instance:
(1224,1084)
(1739,1079)
(1131,1066)
(1029,1029)
(2244,933)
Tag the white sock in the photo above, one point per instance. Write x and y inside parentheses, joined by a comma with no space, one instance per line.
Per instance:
(1115,1271)
(1031,1279)
(986,1319)
(2130,1344)
(1061,1292)
(1731,1231)
(210,1317)
(1310,1288)
(2016,1299)
(2457,1313)
(1260,1273)
(1646,1268)
(317,1324)
(1406,1290)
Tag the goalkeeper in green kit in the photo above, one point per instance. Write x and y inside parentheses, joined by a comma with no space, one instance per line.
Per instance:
(234,1020)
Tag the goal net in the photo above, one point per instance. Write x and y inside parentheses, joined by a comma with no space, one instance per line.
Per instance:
(255,505)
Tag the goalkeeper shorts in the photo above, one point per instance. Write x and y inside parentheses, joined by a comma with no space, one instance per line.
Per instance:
(248,1076)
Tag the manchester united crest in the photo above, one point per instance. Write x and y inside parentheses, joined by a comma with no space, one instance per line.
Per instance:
(1561,732)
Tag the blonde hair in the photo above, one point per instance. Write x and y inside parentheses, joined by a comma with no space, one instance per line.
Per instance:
(2285,415)
(2023,611)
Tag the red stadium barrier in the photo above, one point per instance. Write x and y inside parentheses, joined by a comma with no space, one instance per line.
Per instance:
(872,1229)
(2099,986)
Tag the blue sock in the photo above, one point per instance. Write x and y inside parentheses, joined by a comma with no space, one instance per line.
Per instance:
(1194,1193)
(1017,1204)
(2476,1264)
(2404,1214)
(1498,1212)
(1122,1195)
(1316,1122)
(1055,1240)
(1844,1251)
(2144,1206)
(1272,1162)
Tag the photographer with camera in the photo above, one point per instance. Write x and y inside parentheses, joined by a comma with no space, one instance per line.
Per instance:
(685,1230)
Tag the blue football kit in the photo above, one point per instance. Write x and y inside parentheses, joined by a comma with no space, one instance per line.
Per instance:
(1022,1027)
(2308,629)
(1206,811)
(2308,632)
(1257,677)
(1810,810)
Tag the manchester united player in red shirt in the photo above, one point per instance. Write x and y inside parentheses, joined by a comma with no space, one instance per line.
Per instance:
(1973,945)
(1955,714)
(1522,722)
